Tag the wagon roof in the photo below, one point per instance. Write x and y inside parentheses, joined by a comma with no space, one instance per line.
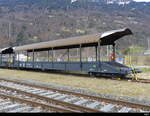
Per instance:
(7,50)
(106,38)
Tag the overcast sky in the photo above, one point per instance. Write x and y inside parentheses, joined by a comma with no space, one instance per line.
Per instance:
(142,0)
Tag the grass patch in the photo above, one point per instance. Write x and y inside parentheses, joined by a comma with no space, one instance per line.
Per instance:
(145,69)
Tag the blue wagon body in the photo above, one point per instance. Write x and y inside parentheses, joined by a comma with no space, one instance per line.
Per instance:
(96,68)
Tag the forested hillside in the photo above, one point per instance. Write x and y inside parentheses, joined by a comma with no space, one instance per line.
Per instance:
(30,21)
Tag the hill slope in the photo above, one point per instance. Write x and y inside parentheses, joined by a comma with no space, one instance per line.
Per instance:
(29,21)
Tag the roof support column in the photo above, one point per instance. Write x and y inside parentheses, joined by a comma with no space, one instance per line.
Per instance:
(9,60)
(67,59)
(99,61)
(18,60)
(81,57)
(114,52)
(1,58)
(48,56)
(27,59)
(52,58)
(13,59)
(27,56)
(96,53)
(68,55)
(33,58)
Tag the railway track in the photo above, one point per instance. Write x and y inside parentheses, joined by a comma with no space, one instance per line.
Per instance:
(66,101)
(18,104)
(8,105)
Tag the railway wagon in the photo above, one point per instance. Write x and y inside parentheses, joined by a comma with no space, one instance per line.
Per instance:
(93,68)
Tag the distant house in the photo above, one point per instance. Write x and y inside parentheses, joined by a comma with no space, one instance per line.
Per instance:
(73,1)
(147,52)
(120,2)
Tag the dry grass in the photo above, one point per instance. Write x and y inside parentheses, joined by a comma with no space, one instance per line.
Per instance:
(139,90)
(145,73)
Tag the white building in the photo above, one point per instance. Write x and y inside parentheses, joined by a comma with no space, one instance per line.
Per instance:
(147,52)
(120,2)
(73,1)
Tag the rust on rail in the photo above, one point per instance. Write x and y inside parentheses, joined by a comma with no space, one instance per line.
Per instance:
(44,106)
